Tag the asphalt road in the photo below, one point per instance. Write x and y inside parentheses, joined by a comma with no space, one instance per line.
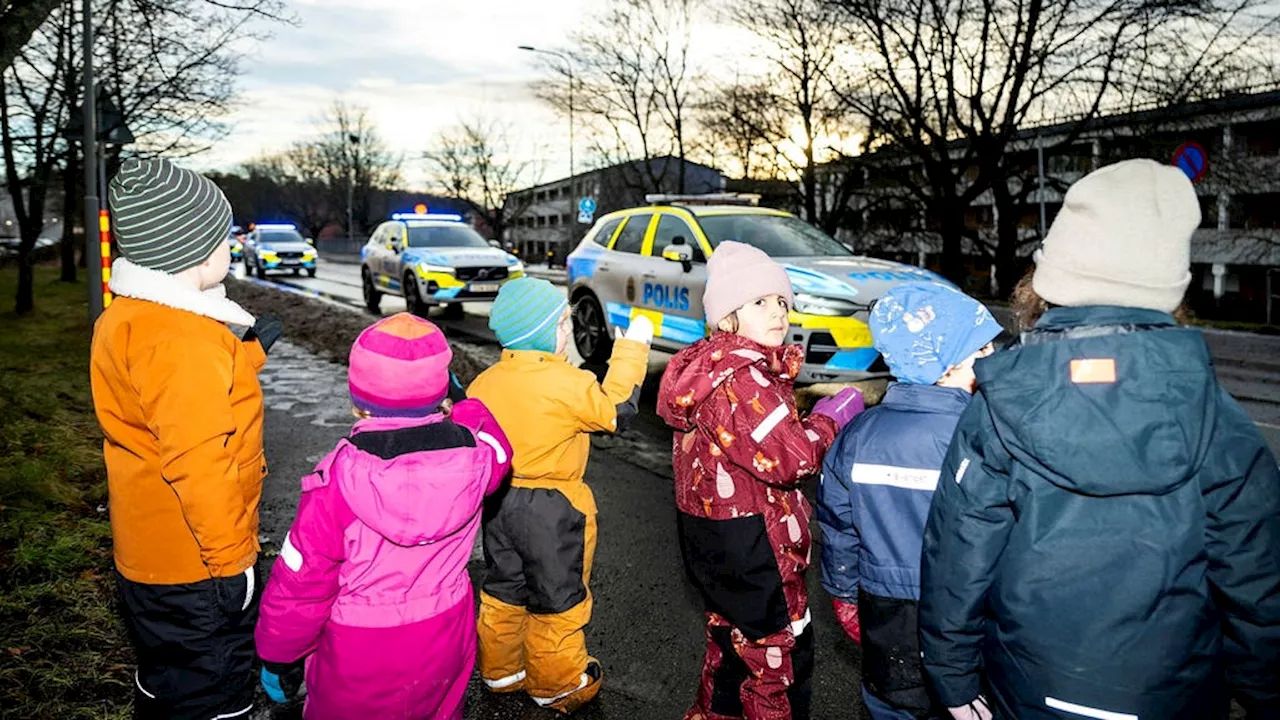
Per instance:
(1248,365)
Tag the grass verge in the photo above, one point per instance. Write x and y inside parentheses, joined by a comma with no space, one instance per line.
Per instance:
(63,650)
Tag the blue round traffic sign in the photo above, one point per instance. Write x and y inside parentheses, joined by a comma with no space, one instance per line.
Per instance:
(1191,158)
(587,205)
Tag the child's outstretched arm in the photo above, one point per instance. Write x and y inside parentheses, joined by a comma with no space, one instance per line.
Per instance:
(1241,489)
(183,386)
(968,528)
(473,415)
(611,405)
(304,579)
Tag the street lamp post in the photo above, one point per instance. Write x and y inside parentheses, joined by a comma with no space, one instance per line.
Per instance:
(351,189)
(92,240)
(568,66)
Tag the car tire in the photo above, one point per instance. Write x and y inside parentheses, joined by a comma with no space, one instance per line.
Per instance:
(311,272)
(297,272)
(412,297)
(261,271)
(590,331)
(452,311)
(372,298)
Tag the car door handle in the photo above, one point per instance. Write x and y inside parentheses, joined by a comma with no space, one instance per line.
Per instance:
(648,275)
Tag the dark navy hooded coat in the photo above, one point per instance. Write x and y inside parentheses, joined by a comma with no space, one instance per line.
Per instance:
(1104,539)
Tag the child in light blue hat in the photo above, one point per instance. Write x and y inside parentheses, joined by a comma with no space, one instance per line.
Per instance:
(878,481)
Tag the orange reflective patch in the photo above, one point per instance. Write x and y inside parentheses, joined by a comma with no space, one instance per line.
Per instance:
(405,326)
(1093,370)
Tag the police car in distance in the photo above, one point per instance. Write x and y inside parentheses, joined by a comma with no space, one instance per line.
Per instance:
(651,261)
(275,247)
(235,239)
(432,259)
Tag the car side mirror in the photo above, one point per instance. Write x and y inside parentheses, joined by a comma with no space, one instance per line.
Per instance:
(393,247)
(311,241)
(496,244)
(679,252)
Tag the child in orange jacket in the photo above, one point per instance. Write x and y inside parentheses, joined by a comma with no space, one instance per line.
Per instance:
(177,396)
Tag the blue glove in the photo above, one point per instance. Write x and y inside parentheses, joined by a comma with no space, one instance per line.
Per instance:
(282,681)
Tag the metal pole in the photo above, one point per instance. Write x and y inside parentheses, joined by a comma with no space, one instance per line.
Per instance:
(92,241)
(1040,192)
(569,68)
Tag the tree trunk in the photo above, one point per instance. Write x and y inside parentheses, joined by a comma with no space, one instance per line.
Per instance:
(70,202)
(26,299)
(1006,240)
(951,219)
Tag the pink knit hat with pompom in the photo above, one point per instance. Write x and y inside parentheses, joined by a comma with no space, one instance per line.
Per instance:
(399,367)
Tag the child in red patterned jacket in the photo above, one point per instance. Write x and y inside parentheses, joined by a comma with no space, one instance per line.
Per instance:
(741,452)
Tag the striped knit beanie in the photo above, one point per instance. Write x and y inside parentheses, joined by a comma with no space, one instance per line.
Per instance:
(167,218)
(525,314)
(399,367)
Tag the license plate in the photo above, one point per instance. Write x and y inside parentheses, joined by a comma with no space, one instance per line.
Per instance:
(485,287)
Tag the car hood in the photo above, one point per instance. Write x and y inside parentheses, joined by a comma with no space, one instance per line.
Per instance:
(857,278)
(284,247)
(458,257)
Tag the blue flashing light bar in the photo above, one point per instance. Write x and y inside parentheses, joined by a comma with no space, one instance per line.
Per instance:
(427,216)
(275,226)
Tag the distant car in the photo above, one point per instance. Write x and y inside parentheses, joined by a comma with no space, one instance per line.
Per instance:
(432,259)
(651,261)
(235,239)
(278,248)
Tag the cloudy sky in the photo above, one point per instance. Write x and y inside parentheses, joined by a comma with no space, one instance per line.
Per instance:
(417,65)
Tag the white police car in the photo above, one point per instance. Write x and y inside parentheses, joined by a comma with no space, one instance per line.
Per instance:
(651,261)
(432,259)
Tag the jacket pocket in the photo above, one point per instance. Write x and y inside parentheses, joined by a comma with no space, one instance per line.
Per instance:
(250,477)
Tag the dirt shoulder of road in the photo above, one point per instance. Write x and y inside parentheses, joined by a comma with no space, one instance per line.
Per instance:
(329,330)
(63,649)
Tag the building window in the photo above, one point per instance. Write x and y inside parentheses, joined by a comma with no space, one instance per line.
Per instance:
(554,220)
(542,221)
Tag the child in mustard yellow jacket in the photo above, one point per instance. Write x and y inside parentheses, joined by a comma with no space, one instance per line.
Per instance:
(177,396)
(539,545)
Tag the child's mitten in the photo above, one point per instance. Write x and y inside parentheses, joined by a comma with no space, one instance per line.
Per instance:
(267,330)
(847,616)
(841,407)
(282,681)
(640,330)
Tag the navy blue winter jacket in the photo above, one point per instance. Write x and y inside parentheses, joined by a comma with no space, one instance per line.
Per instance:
(877,483)
(1105,537)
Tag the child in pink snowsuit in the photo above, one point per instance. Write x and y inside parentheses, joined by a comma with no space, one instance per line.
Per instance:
(371,587)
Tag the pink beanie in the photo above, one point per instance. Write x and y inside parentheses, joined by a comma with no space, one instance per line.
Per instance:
(399,367)
(737,274)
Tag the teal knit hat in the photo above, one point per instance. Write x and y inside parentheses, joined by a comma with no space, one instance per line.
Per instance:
(525,314)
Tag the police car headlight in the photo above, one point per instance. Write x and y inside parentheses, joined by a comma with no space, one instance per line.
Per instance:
(517,268)
(426,268)
(818,305)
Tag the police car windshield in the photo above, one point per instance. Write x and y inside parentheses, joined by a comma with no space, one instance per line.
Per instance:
(445,236)
(280,236)
(776,235)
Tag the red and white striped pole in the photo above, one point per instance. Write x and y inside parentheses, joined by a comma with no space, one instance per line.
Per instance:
(104,236)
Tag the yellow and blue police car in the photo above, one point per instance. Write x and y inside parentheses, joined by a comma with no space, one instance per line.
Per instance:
(432,259)
(278,247)
(651,261)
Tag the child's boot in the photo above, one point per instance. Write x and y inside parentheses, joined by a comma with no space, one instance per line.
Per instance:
(588,688)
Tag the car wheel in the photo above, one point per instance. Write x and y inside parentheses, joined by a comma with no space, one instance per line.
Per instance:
(311,272)
(372,298)
(413,298)
(590,331)
(262,270)
(297,272)
(453,311)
